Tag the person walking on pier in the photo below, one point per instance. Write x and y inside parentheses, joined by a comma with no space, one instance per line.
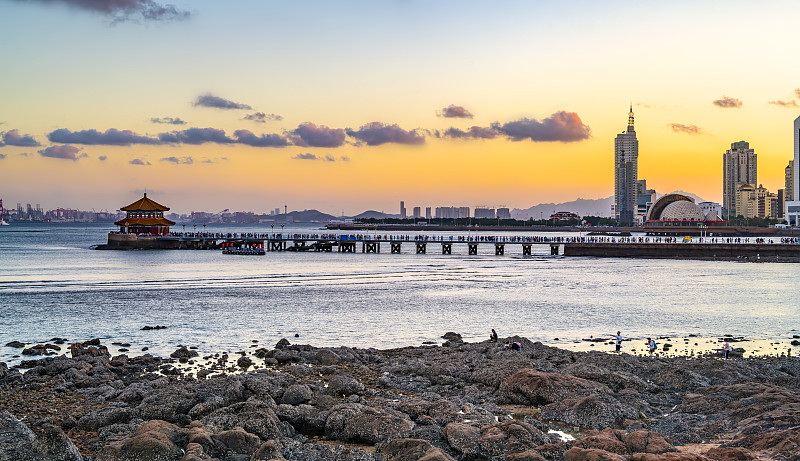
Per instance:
(618,342)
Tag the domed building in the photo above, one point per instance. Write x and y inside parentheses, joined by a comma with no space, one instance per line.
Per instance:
(677,214)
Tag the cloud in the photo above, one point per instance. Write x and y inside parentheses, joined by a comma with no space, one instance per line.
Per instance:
(208,160)
(562,126)
(178,161)
(126,10)
(728,103)
(787,104)
(376,133)
(453,111)
(111,137)
(310,135)
(305,157)
(13,138)
(261,117)
(2,156)
(208,100)
(475,132)
(196,136)
(688,129)
(25,154)
(63,152)
(138,161)
(168,120)
(344,158)
(102,158)
(265,140)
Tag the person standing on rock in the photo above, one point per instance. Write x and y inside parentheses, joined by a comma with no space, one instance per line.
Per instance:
(651,346)
(618,342)
(726,348)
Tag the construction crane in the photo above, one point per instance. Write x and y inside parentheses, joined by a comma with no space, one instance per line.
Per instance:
(217,217)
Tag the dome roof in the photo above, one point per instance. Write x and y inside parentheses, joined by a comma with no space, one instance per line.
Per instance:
(712,216)
(682,211)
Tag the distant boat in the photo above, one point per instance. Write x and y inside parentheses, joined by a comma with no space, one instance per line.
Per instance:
(3,222)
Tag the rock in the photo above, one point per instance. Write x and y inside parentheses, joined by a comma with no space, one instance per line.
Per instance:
(195,452)
(592,412)
(667,457)
(244,362)
(344,385)
(591,454)
(296,394)
(730,454)
(452,336)
(104,417)
(183,353)
(41,349)
(305,419)
(157,327)
(359,423)
(238,441)
(153,441)
(282,344)
(18,442)
(326,357)
(89,349)
(253,416)
(528,455)
(267,451)
(15,344)
(536,388)
(647,442)
(413,450)
(463,438)
(506,437)
(607,440)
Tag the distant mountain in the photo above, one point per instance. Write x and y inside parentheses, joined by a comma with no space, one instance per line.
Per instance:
(582,207)
(310,216)
(372,214)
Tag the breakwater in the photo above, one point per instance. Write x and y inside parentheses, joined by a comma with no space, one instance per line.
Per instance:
(729,251)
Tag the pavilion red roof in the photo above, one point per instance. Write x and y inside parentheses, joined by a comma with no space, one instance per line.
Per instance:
(145,204)
(144,222)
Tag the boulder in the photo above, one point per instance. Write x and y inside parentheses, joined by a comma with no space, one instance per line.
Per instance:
(266,452)
(15,344)
(359,423)
(255,417)
(591,454)
(183,353)
(413,450)
(536,388)
(730,454)
(237,441)
(154,441)
(17,442)
(305,419)
(463,438)
(296,394)
(244,362)
(452,336)
(88,349)
(282,344)
(344,385)
(502,438)
(592,412)
(54,445)
(327,357)
(667,457)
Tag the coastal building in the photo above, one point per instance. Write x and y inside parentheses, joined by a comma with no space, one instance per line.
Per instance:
(626,164)
(417,212)
(711,207)
(564,216)
(402,210)
(427,212)
(644,200)
(503,213)
(485,213)
(792,207)
(144,217)
(739,166)
(677,214)
(788,182)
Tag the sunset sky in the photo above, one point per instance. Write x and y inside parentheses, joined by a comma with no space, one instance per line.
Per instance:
(345,106)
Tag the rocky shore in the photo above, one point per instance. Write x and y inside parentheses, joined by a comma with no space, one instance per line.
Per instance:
(458,401)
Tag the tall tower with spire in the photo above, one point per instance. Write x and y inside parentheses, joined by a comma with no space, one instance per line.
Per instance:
(626,166)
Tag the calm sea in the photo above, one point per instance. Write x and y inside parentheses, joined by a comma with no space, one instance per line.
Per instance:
(53,284)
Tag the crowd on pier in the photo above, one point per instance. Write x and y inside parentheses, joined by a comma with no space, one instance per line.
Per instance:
(479,238)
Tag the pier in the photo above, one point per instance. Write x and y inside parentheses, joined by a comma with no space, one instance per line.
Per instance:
(727,248)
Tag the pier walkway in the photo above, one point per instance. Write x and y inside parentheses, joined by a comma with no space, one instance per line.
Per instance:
(748,248)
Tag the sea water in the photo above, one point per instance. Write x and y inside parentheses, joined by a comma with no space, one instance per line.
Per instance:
(54,284)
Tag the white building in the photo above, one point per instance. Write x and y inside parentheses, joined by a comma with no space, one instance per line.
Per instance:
(708,207)
(792,212)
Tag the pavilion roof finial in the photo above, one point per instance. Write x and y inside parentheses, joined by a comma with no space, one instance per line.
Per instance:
(630,117)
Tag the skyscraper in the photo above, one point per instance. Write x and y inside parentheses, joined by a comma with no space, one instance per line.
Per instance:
(792,213)
(788,182)
(402,210)
(739,166)
(626,165)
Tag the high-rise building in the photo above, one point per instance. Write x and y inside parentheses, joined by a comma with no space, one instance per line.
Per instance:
(788,187)
(739,166)
(626,164)
(427,212)
(417,212)
(645,198)
(402,210)
(503,213)
(792,213)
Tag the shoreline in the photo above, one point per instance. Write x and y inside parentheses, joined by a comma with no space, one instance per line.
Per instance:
(458,401)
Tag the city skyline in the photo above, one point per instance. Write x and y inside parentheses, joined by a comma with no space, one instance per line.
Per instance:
(358,105)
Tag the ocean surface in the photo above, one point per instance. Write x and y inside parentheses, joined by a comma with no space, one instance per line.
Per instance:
(54,284)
